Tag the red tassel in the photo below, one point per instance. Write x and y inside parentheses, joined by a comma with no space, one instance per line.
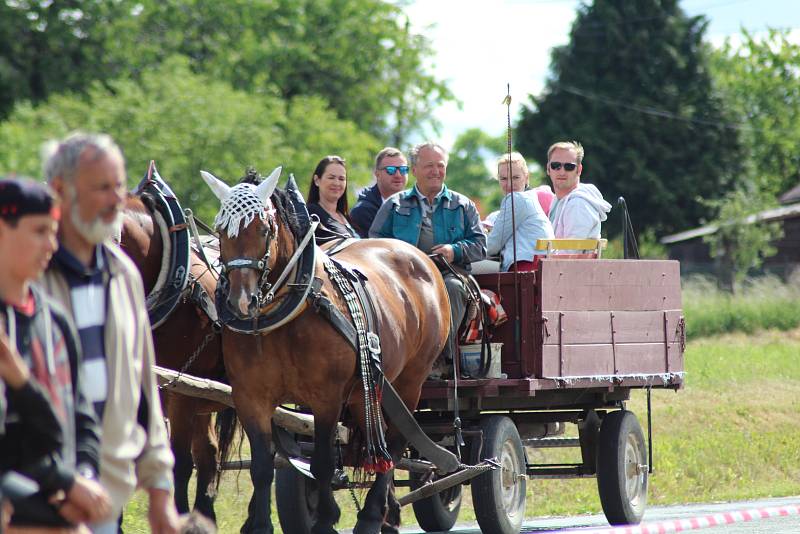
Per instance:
(384,465)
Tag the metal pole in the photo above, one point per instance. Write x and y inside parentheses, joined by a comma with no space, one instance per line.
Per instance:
(517,325)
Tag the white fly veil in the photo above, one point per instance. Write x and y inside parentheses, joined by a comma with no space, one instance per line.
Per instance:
(241,206)
(242,202)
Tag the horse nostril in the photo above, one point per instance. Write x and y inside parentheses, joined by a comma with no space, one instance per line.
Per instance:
(253,303)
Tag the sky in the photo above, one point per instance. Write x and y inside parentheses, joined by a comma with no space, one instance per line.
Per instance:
(482,45)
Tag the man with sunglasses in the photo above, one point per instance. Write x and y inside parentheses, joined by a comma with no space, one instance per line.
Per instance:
(578,208)
(391,176)
(439,222)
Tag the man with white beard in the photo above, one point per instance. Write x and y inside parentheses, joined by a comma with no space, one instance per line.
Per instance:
(99,284)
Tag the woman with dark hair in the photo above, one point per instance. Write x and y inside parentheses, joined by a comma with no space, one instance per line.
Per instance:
(327,199)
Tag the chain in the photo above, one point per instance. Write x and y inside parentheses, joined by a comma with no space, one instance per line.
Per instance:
(190,361)
(350,487)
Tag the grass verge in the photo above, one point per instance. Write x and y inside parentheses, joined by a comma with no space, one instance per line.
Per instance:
(732,433)
(761,303)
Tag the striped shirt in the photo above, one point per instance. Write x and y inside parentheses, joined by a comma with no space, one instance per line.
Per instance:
(88,295)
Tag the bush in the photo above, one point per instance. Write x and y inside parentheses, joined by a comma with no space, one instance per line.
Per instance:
(760,303)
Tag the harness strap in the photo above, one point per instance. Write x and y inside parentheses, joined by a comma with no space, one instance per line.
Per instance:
(349,283)
(200,298)
(323,306)
(342,244)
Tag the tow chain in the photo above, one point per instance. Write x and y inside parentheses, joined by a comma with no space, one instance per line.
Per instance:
(350,487)
(190,361)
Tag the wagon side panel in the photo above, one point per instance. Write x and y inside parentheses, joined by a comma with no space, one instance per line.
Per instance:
(603,318)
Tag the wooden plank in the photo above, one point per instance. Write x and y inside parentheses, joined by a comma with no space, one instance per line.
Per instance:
(579,360)
(595,326)
(599,359)
(646,358)
(597,285)
(614,272)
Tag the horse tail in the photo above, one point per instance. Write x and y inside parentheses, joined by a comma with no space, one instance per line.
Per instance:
(226,426)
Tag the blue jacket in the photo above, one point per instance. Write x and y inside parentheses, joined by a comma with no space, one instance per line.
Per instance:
(455,222)
(363,213)
(531,224)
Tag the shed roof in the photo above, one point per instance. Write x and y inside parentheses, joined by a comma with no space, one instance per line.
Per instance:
(770,215)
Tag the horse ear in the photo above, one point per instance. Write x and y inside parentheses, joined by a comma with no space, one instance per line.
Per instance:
(220,188)
(265,188)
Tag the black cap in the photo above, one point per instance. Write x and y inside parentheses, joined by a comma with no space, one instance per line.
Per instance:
(21,196)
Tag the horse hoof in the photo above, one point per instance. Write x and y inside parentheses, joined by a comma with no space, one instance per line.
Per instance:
(368,527)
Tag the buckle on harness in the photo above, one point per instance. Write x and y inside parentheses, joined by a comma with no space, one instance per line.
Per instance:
(373,343)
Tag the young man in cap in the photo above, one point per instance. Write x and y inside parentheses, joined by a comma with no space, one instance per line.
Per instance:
(50,433)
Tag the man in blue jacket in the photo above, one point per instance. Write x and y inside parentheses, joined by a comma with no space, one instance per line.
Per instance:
(391,176)
(436,220)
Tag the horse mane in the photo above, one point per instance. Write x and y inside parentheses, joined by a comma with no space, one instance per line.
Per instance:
(279,199)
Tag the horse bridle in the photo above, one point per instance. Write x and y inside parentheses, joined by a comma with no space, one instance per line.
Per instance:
(261,266)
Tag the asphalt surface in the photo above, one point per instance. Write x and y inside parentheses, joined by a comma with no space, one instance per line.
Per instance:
(773,525)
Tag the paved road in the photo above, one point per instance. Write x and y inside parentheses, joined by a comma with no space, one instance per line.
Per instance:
(775,525)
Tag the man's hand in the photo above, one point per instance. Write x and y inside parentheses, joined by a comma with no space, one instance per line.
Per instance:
(85,502)
(162,514)
(12,369)
(446,251)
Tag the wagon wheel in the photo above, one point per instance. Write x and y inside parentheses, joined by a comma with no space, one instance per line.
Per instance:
(296,499)
(622,468)
(439,512)
(498,496)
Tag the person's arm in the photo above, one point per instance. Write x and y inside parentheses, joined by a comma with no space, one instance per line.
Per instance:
(87,426)
(505,224)
(42,428)
(472,247)
(580,218)
(382,224)
(358,218)
(154,464)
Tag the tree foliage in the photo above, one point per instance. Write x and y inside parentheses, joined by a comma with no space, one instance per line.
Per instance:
(175,117)
(359,56)
(741,241)
(470,167)
(760,79)
(633,86)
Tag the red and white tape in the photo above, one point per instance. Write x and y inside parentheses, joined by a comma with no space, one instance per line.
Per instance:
(695,523)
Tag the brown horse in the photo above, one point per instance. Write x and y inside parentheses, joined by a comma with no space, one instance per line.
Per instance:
(193,436)
(302,358)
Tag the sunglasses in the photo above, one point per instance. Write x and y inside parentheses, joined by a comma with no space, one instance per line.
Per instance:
(556,165)
(391,169)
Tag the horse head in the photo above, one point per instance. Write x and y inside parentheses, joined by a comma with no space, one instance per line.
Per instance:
(140,238)
(248,232)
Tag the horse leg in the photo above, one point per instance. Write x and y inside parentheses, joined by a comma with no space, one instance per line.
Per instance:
(323,464)
(262,471)
(179,413)
(204,451)
(391,522)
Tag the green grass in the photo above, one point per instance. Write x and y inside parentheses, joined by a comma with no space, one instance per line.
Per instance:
(762,303)
(732,433)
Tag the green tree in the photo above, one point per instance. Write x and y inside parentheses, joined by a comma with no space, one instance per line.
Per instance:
(359,56)
(470,168)
(175,117)
(48,47)
(742,240)
(633,86)
(760,79)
